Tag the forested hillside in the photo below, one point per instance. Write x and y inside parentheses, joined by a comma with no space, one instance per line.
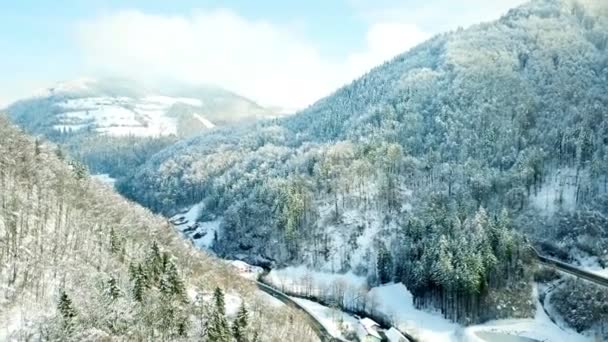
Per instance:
(426,169)
(80,263)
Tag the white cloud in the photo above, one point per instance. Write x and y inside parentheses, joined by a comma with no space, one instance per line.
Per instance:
(384,41)
(434,16)
(258,59)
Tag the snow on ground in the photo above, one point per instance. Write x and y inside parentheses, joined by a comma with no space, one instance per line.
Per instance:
(245,270)
(591,264)
(104,178)
(204,121)
(16,323)
(298,277)
(539,328)
(268,299)
(397,302)
(367,224)
(207,232)
(121,116)
(76,85)
(559,187)
(232,300)
(192,214)
(168,100)
(202,234)
(335,321)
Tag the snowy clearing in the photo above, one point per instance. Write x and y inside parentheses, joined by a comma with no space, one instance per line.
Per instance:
(148,116)
(105,179)
(334,320)
(201,233)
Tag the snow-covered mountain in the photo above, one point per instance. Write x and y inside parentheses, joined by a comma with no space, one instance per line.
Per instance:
(425,171)
(123,108)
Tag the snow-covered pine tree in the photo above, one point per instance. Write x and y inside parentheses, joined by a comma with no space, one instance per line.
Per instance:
(240,325)
(384,264)
(153,263)
(112,289)
(219,331)
(140,283)
(67,312)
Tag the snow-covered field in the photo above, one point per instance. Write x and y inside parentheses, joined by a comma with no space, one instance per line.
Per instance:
(334,320)
(539,328)
(120,116)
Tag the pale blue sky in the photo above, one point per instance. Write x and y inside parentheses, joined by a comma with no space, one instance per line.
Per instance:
(287,53)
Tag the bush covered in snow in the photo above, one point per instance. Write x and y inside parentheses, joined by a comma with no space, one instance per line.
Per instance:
(582,305)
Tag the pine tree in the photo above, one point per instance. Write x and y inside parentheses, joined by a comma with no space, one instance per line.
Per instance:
(171,283)
(140,283)
(154,263)
(219,331)
(114,242)
(384,265)
(37,147)
(79,169)
(239,327)
(112,289)
(67,311)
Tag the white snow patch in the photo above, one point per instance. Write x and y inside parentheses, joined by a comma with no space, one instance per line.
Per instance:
(592,264)
(297,278)
(539,328)
(245,270)
(168,100)
(209,230)
(201,233)
(77,85)
(104,178)
(335,321)
(559,192)
(122,116)
(204,121)
(394,335)
(396,301)
(268,299)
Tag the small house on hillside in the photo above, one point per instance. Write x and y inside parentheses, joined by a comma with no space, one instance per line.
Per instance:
(369,331)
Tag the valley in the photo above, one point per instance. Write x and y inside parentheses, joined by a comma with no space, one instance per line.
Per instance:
(456,192)
(338,301)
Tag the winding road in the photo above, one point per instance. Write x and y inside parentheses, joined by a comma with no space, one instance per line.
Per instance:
(316,325)
(573,270)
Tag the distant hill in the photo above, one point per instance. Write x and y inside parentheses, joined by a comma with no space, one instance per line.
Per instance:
(123,108)
(114,125)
